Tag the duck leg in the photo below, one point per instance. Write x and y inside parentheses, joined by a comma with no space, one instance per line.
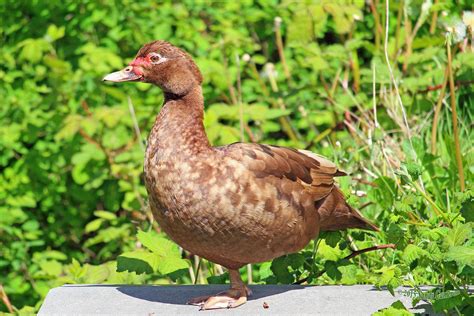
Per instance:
(235,296)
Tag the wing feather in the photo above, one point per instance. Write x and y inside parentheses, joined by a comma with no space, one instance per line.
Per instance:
(291,166)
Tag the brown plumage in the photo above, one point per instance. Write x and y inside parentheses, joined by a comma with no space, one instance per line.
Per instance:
(235,204)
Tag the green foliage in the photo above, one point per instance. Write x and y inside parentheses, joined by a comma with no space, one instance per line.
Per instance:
(163,258)
(72,201)
(396,309)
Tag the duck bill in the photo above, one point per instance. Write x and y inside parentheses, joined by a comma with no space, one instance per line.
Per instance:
(122,76)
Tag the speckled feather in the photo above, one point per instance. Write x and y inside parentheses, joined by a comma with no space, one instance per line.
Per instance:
(235,204)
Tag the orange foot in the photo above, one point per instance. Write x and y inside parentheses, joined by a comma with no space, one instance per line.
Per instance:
(227,299)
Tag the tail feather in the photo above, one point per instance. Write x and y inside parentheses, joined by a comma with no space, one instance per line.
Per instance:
(336,214)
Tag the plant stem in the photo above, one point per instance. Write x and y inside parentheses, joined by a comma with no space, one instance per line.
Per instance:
(395,84)
(455,118)
(412,33)
(256,76)
(457,84)
(192,275)
(408,29)
(374,97)
(249,274)
(279,43)
(353,248)
(378,26)
(453,281)
(239,98)
(392,76)
(434,20)
(197,264)
(322,135)
(6,301)
(397,31)
(135,123)
(330,93)
(439,103)
(354,62)
(437,210)
(361,251)
(284,120)
(352,255)
(235,99)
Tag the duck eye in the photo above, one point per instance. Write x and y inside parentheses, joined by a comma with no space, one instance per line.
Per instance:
(155,58)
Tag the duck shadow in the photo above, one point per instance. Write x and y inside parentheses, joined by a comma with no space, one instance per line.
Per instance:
(181,294)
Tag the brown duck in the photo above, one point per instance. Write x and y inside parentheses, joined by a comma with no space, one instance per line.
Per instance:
(235,204)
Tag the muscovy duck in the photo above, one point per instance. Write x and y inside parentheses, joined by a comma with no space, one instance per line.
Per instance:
(236,204)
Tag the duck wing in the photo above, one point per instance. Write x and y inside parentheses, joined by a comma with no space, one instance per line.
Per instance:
(301,172)
(313,171)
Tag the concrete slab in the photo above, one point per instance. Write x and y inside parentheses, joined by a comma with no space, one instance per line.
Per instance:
(171,300)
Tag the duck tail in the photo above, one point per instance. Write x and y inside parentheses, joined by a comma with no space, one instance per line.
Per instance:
(336,214)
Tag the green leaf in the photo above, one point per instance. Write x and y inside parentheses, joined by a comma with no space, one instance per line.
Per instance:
(105,215)
(108,234)
(116,138)
(168,265)
(467,209)
(412,252)
(265,270)
(54,33)
(389,277)
(164,258)
(218,279)
(332,238)
(94,225)
(396,309)
(319,18)
(463,255)
(95,274)
(295,260)
(397,235)
(49,254)
(458,235)
(328,252)
(281,270)
(33,49)
(414,169)
(112,195)
(332,270)
(384,193)
(300,28)
(158,244)
(138,262)
(70,127)
(448,303)
(51,267)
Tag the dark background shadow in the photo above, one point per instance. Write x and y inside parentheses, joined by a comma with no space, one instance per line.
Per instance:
(180,294)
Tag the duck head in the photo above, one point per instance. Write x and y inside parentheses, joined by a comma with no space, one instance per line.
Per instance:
(161,64)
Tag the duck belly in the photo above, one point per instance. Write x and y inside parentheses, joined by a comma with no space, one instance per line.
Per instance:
(226,216)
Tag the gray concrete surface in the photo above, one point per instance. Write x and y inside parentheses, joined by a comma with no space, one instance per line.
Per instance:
(171,300)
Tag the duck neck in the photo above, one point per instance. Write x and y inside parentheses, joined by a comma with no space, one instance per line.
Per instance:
(179,128)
